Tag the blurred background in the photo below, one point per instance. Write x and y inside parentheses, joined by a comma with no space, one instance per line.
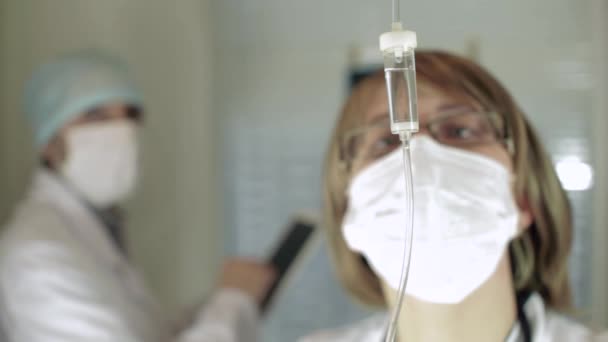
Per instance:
(241,97)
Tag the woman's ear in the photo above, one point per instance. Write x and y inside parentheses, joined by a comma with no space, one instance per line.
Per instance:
(525,214)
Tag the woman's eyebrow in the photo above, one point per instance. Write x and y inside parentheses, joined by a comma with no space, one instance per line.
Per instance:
(379,118)
(452,107)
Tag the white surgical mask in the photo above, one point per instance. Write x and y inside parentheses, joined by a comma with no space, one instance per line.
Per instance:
(464,218)
(101,161)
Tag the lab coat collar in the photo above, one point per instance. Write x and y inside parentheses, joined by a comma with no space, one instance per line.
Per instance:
(80,219)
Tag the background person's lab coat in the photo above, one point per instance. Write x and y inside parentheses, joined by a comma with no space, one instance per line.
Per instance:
(63,279)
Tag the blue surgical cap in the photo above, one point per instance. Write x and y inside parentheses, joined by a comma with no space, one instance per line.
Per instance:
(60,91)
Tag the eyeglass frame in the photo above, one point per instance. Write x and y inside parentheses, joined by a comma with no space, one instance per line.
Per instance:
(502,134)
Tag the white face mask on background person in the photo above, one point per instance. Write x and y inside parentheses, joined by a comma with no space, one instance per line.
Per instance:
(102,161)
(464,217)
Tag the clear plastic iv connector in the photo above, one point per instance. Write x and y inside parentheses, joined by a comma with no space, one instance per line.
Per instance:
(397,49)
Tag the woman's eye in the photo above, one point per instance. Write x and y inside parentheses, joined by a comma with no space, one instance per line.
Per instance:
(461,132)
(464,130)
(385,145)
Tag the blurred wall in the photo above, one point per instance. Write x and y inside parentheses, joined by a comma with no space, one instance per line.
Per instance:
(173,219)
(599,20)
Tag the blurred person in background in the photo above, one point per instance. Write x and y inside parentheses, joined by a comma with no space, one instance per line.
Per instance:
(493,226)
(64,272)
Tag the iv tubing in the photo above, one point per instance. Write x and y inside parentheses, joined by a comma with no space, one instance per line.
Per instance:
(396,12)
(409,232)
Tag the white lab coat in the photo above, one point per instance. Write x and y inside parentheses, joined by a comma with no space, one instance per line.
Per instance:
(546,326)
(63,279)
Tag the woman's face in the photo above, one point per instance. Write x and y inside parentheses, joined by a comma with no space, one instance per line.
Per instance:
(448,120)
(453,122)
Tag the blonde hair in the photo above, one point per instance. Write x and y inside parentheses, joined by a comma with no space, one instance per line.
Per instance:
(539,255)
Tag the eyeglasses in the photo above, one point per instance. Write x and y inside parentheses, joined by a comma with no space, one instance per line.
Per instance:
(457,129)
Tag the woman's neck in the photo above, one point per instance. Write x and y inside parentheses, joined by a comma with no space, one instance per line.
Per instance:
(486,315)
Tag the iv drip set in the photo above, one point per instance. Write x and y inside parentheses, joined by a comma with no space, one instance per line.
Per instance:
(397,47)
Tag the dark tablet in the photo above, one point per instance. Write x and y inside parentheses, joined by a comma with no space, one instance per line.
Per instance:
(286,253)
